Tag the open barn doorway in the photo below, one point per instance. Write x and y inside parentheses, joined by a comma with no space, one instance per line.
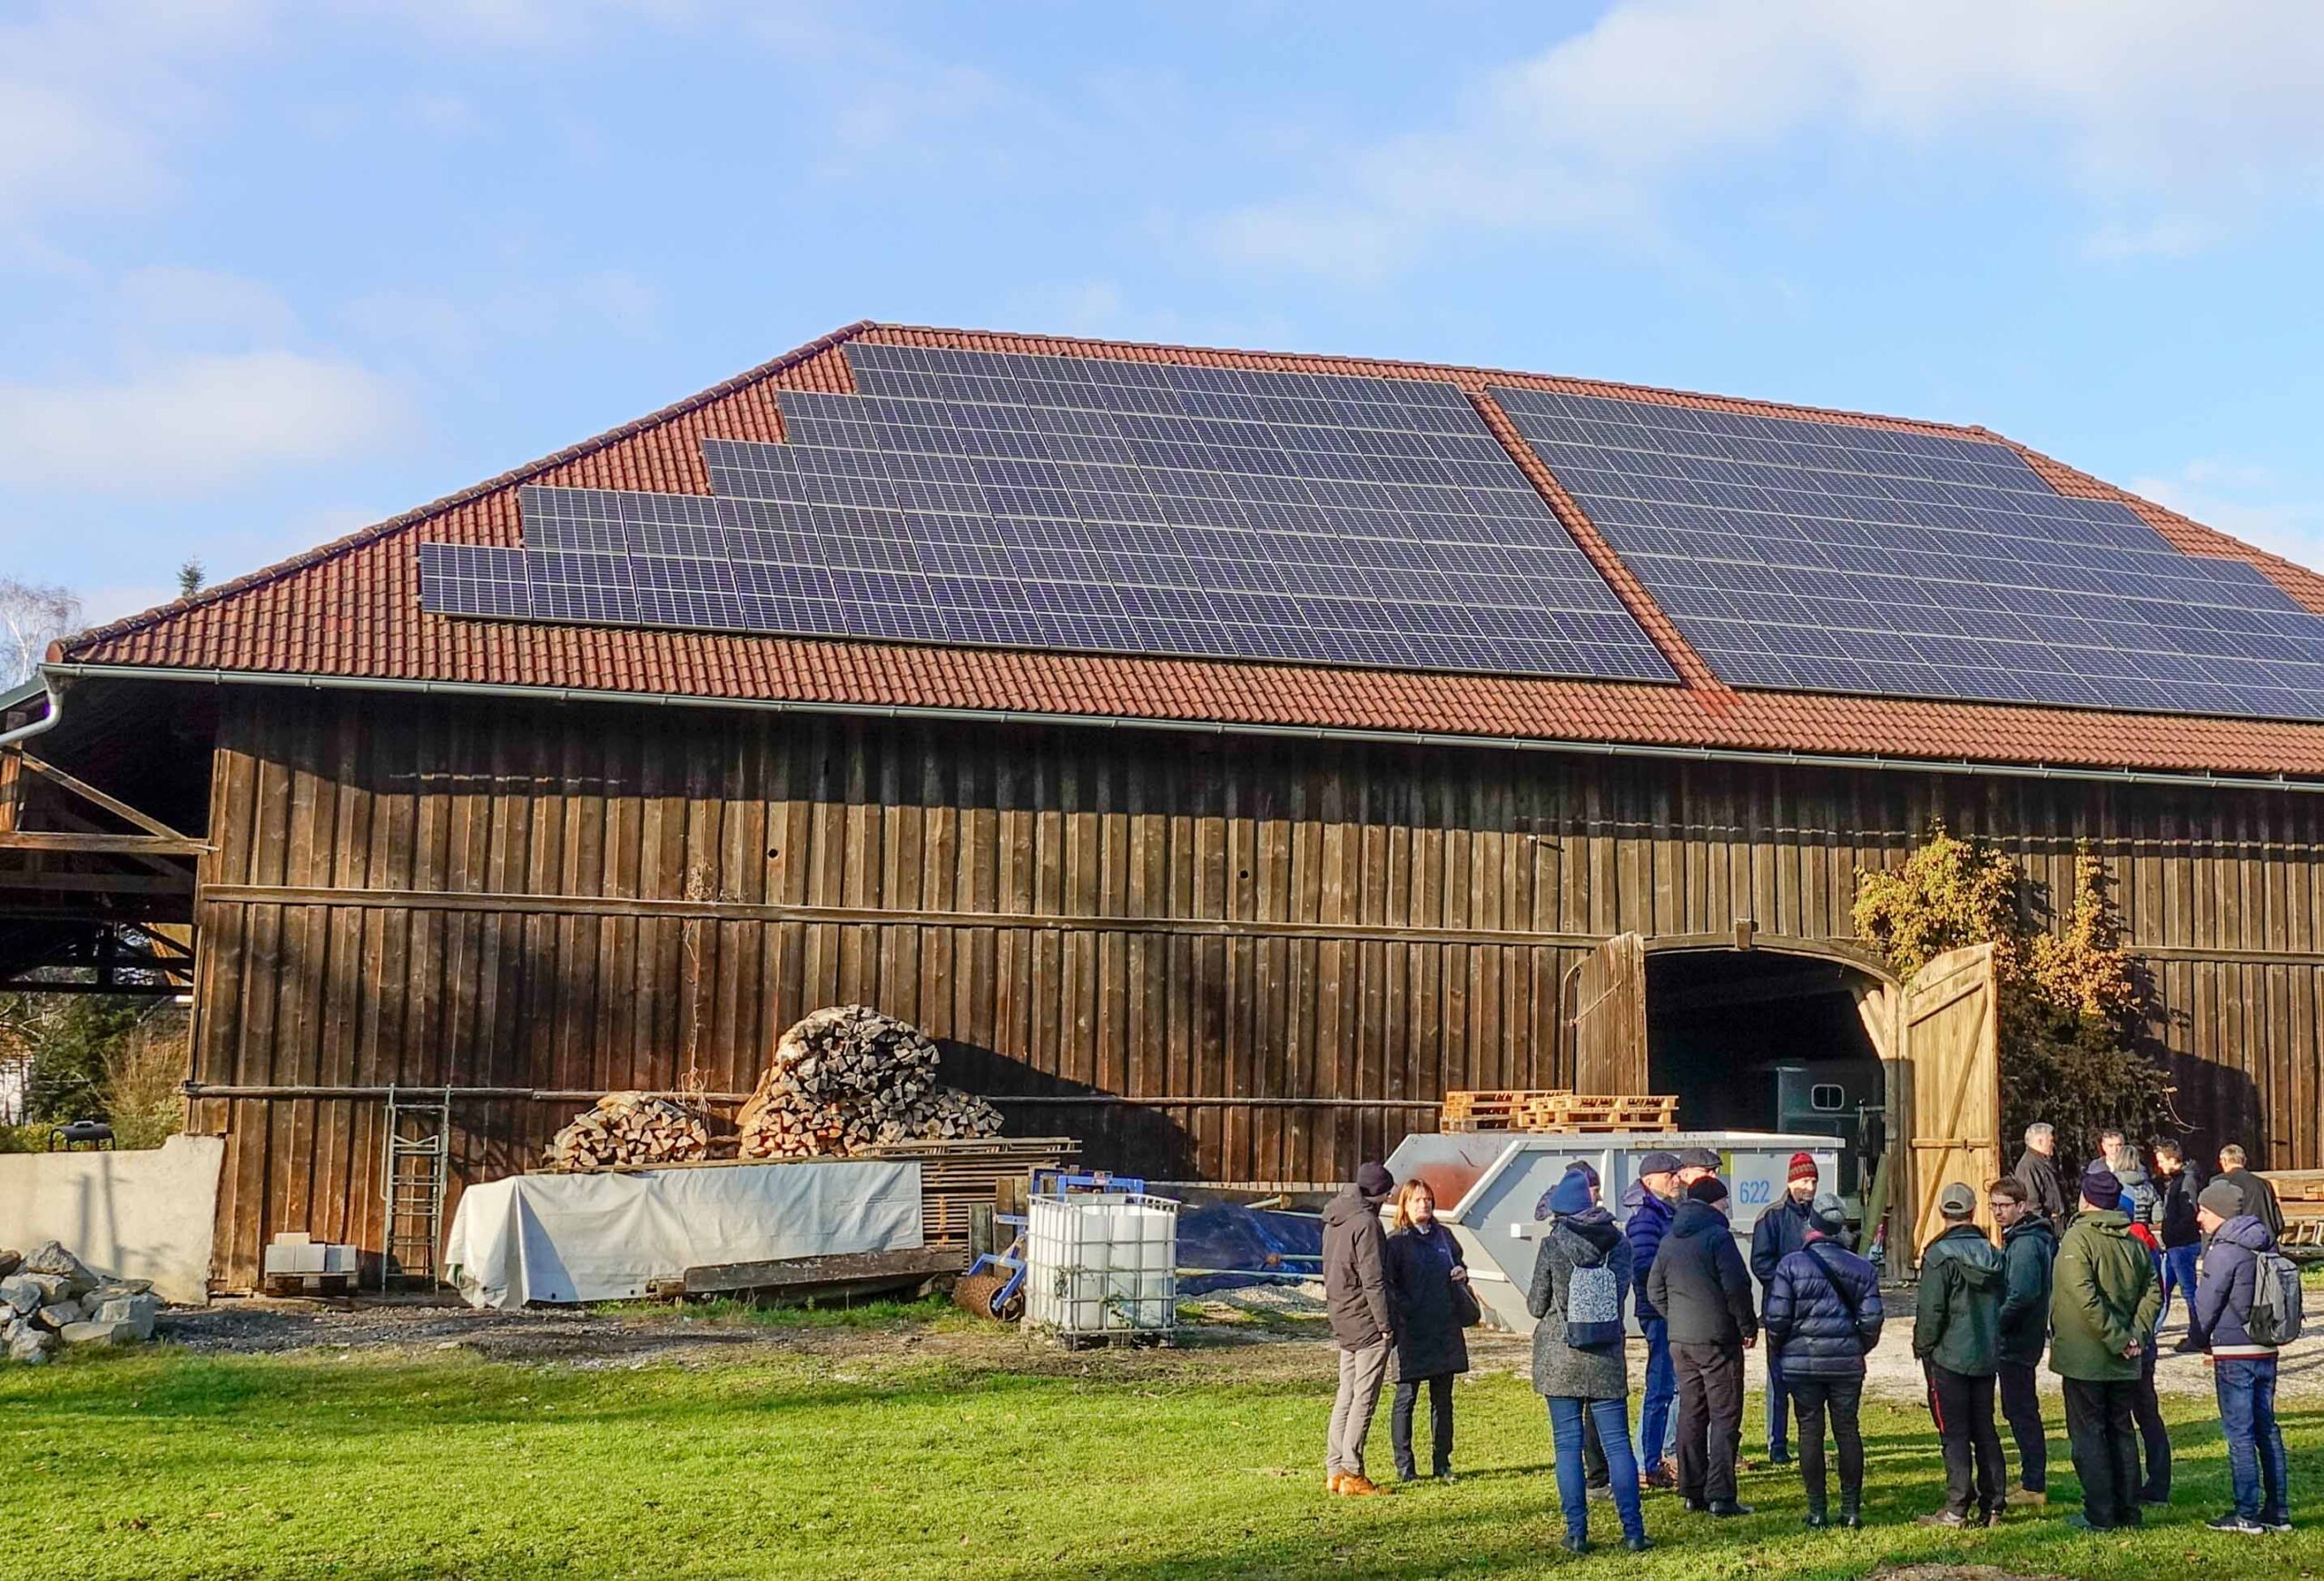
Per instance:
(1755,1040)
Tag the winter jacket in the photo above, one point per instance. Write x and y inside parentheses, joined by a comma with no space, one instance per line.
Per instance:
(1699,1284)
(2258,1199)
(1781,1231)
(1808,1312)
(1590,1372)
(2229,1276)
(2175,1212)
(1650,1222)
(2138,1195)
(2104,1299)
(2028,1248)
(1355,1277)
(2039,1175)
(1429,1343)
(1958,1324)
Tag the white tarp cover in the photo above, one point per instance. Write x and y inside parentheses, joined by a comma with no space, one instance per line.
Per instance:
(569,1239)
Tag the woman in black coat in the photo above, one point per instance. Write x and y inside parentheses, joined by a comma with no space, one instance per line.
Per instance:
(1424,1268)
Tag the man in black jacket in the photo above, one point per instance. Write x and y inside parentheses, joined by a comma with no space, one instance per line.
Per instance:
(2037,1171)
(2177,1184)
(2258,1197)
(2028,1247)
(1703,1291)
(1356,1295)
(1781,1231)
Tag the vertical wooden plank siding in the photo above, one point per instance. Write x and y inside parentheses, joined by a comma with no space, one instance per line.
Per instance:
(1275,927)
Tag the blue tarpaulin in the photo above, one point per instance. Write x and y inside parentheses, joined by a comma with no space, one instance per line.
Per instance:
(1250,1240)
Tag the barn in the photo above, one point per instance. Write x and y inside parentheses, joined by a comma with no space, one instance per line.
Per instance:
(1224,753)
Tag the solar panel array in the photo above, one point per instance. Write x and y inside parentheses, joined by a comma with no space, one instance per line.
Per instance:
(1840,557)
(1072,503)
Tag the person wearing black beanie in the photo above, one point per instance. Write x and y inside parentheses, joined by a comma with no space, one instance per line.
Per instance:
(1703,1291)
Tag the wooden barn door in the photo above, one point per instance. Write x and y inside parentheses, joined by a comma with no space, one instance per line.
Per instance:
(1952,1113)
(1608,1017)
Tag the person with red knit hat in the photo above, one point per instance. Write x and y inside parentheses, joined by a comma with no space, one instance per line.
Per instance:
(1781,1231)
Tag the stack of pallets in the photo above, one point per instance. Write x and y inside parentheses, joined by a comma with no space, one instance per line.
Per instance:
(1556,1109)
(958,1175)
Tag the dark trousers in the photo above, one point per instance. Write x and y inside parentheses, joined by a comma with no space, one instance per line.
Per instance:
(2154,1438)
(1778,1407)
(1964,1405)
(2246,1387)
(1711,1418)
(1810,1396)
(1440,1423)
(2021,1408)
(2105,1450)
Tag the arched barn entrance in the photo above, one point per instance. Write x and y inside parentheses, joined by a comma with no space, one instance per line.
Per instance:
(1804,1036)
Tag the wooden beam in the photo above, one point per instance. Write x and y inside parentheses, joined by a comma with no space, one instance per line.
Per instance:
(76,822)
(96,883)
(103,844)
(87,791)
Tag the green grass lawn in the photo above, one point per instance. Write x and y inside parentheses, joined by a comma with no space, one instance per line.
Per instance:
(164,1464)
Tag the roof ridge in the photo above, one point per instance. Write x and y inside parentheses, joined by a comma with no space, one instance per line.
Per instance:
(1458,373)
(420,513)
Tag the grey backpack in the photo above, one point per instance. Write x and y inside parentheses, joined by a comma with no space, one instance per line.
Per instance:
(2275,1316)
(1593,1306)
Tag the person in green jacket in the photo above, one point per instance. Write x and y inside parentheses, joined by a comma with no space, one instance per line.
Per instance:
(1956,1334)
(2104,1302)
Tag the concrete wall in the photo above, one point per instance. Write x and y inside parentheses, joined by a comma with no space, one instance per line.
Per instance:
(134,1215)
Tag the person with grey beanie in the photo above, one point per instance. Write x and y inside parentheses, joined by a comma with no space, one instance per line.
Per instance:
(1823,1313)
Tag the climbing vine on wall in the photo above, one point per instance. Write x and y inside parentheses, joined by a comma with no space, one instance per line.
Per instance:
(2074,1004)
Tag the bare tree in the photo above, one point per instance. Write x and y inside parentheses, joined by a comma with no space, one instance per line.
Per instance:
(31,618)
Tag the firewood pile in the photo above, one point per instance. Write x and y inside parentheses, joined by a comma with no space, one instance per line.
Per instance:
(847,1080)
(629,1128)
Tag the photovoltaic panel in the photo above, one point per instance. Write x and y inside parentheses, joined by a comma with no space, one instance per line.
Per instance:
(1836,556)
(1067,503)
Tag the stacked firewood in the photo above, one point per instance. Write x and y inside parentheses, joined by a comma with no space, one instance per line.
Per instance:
(629,1128)
(846,1080)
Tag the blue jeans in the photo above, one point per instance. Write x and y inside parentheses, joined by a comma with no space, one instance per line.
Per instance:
(2178,1273)
(1655,1440)
(2255,1444)
(1612,1418)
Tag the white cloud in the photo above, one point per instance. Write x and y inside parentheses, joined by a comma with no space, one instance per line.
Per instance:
(2243,501)
(2171,120)
(195,423)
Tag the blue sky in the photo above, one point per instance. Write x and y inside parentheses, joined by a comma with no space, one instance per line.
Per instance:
(271,272)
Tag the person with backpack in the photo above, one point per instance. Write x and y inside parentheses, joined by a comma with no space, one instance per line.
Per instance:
(1956,1335)
(2104,1298)
(1428,1291)
(1649,1221)
(2248,1305)
(2028,1248)
(1581,1270)
(2177,1184)
(1823,1312)
(1703,1291)
(1781,1231)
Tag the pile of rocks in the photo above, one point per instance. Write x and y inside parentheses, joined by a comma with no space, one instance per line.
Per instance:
(49,1297)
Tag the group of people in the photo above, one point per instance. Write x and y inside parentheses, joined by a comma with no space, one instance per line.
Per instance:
(2086,1281)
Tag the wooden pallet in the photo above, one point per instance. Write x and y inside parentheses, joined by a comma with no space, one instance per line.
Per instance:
(1556,1109)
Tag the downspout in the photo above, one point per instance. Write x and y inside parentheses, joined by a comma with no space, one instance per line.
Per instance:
(47,721)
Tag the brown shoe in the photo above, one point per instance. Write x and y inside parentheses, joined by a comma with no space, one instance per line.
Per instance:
(2022,1497)
(1332,1481)
(1352,1485)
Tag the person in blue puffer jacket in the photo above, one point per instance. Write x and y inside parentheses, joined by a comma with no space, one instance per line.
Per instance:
(1823,1313)
(2244,1367)
(1649,1205)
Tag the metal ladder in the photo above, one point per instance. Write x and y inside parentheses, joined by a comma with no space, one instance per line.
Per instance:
(416,1157)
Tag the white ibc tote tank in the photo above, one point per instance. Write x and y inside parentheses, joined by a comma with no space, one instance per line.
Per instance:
(1102,1263)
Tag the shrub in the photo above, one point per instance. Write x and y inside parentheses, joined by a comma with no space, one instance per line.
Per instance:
(2075,1005)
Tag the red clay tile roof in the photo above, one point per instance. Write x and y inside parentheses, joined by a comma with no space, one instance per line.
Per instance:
(351,608)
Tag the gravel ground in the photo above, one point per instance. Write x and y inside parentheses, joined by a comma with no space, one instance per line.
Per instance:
(1271,1331)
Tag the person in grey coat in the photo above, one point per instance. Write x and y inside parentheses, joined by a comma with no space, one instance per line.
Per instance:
(1581,1272)
(1362,1317)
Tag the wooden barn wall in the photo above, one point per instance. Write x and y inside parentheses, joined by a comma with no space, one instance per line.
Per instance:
(1301,944)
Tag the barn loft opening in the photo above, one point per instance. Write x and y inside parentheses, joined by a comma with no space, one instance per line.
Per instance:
(1752,1040)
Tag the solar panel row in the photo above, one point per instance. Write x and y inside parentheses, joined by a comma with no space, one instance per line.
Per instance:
(1010,500)
(1835,556)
